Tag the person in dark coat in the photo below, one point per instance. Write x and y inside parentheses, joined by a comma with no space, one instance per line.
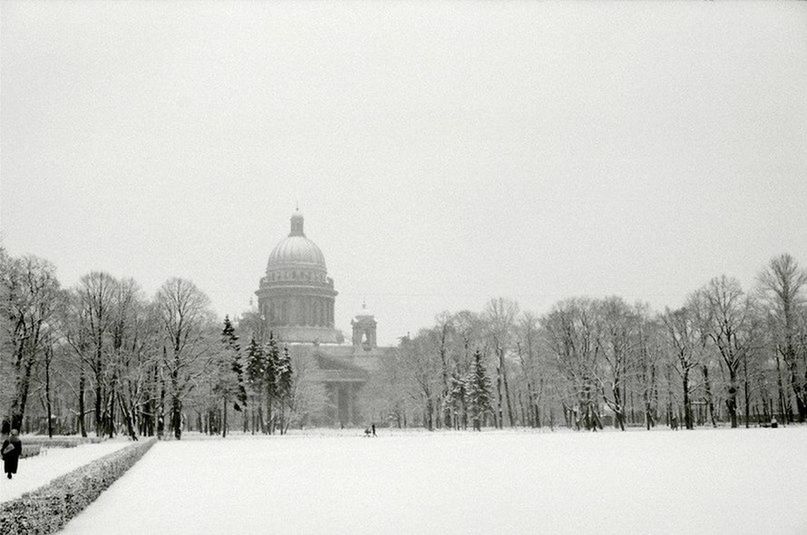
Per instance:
(373,427)
(11,450)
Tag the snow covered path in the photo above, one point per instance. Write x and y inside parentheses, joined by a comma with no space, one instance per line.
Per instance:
(36,471)
(723,481)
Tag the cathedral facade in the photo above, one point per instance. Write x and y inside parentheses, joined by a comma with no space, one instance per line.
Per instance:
(296,302)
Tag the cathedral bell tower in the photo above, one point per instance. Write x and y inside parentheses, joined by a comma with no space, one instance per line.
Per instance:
(364,326)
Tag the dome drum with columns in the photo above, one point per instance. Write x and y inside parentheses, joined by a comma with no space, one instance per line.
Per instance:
(296,296)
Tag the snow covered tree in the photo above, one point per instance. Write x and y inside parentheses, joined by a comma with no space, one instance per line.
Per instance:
(255,378)
(30,291)
(573,333)
(458,400)
(271,361)
(229,379)
(781,285)
(499,317)
(729,324)
(479,394)
(283,386)
(186,320)
(682,337)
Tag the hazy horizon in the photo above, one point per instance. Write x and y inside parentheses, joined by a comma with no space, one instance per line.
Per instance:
(442,153)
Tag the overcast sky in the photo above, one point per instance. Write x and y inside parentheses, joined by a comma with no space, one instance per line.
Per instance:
(442,153)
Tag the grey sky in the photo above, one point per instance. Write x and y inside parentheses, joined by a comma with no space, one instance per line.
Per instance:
(442,153)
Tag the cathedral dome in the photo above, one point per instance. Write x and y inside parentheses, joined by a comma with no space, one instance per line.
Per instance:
(296,250)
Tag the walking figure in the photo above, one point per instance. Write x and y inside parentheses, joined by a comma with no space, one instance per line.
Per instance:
(11,450)
(373,426)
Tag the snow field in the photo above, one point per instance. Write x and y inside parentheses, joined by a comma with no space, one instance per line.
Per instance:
(36,471)
(724,481)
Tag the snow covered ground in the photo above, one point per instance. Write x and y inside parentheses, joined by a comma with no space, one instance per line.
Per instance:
(709,481)
(33,472)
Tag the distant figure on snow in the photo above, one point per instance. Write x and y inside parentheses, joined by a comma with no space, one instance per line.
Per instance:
(674,422)
(373,427)
(11,450)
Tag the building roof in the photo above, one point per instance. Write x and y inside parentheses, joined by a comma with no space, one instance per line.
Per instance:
(296,251)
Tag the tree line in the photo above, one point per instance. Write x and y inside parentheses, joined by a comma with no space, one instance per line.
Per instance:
(727,355)
(103,357)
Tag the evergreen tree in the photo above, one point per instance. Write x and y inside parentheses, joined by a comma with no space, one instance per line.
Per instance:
(283,375)
(256,363)
(271,362)
(255,378)
(283,385)
(458,398)
(230,341)
(228,383)
(479,393)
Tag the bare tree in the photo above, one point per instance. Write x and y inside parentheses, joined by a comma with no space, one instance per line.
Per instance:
(500,316)
(729,325)
(573,337)
(527,349)
(682,335)
(31,290)
(617,322)
(96,292)
(443,327)
(422,371)
(188,335)
(781,285)
(647,356)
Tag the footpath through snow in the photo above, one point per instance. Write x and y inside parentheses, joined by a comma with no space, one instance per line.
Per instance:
(705,481)
(51,463)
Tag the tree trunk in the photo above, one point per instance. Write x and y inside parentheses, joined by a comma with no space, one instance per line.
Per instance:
(731,400)
(47,393)
(745,391)
(499,413)
(23,386)
(708,392)
(99,431)
(224,422)
(687,401)
(801,406)
(160,412)
(506,389)
(128,416)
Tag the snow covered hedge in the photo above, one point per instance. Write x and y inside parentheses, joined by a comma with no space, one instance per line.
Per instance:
(59,442)
(49,508)
(30,450)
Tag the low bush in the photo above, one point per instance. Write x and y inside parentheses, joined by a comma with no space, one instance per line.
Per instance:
(60,442)
(49,508)
(30,450)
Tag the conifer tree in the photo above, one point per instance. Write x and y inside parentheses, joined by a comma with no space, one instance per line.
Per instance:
(283,385)
(230,341)
(255,375)
(271,362)
(458,398)
(256,362)
(229,379)
(479,394)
